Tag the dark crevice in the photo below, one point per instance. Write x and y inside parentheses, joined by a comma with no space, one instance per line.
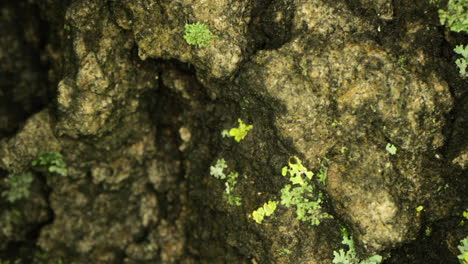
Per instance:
(19,248)
(429,247)
(24,87)
(271,23)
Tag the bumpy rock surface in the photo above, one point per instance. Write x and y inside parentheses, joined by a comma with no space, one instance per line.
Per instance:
(159,27)
(139,112)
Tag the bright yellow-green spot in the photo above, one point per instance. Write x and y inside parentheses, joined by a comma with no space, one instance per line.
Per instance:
(419,209)
(267,209)
(240,132)
(296,170)
(465,214)
(465,258)
(258,215)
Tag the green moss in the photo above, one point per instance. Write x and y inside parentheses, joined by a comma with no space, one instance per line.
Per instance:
(53,161)
(198,34)
(18,186)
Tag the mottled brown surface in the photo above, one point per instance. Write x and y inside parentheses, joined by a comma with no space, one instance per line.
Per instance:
(138,115)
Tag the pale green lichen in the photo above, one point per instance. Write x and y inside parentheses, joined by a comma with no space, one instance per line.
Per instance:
(230,183)
(463,247)
(301,194)
(217,170)
(456,15)
(391,149)
(350,257)
(462,63)
(456,19)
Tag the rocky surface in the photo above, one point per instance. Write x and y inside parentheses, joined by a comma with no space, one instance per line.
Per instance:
(138,113)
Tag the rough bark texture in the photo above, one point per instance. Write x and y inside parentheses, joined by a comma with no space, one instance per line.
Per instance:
(137,114)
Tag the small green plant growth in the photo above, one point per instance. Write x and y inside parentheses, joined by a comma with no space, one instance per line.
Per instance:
(322,176)
(391,149)
(301,194)
(456,15)
(463,247)
(225,133)
(53,161)
(150,248)
(428,231)
(284,252)
(462,63)
(465,217)
(456,19)
(344,150)
(231,183)
(8,220)
(45,258)
(8,262)
(18,186)
(217,171)
(350,257)
(401,62)
(419,209)
(238,133)
(267,209)
(198,34)
(17,261)
(336,123)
